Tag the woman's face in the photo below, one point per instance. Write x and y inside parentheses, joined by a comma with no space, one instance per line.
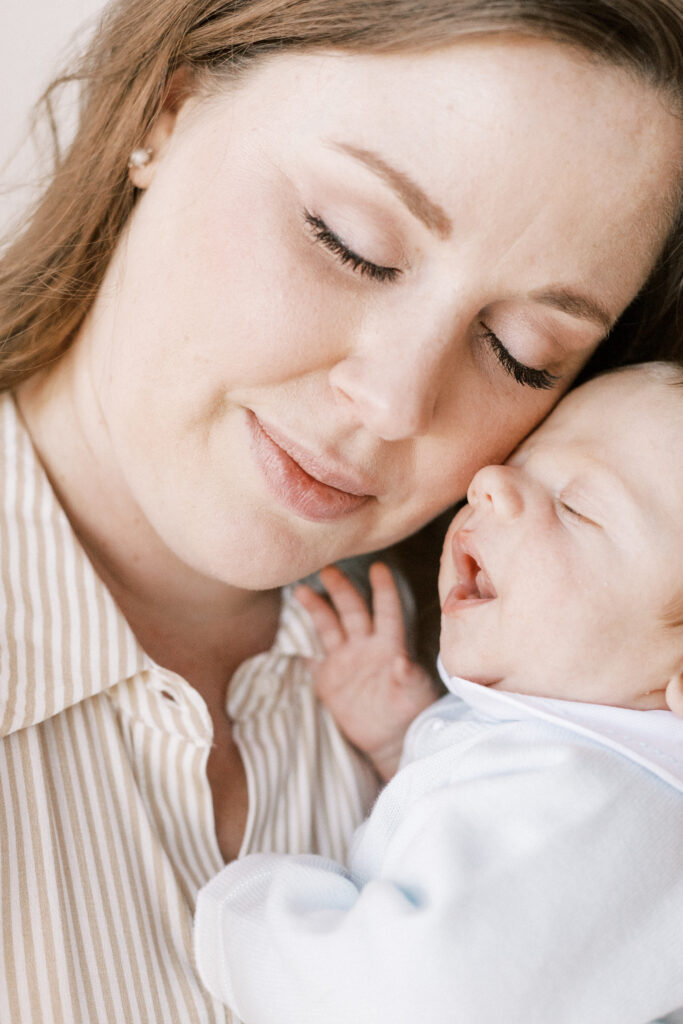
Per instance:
(351,281)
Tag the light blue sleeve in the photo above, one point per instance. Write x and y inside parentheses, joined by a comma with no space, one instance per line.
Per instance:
(543,889)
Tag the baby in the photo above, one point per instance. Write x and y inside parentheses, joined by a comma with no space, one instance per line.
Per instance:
(525,864)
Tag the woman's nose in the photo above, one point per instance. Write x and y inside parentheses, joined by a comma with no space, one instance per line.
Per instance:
(393,398)
(398,365)
(499,487)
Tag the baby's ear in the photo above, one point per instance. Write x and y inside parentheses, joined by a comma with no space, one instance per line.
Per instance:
(674,694)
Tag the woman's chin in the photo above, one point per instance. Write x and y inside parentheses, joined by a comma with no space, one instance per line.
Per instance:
(265,565)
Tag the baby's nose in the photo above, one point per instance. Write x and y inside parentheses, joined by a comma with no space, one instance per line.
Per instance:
(499,486)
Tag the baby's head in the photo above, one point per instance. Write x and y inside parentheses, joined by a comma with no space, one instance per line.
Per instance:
(563,575)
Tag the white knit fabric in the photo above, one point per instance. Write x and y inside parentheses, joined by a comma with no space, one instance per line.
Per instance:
(525,866)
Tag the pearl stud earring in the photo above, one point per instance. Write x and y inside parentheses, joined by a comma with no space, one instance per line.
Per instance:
(140,157)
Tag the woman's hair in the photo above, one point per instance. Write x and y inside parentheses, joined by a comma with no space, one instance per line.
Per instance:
(51,272)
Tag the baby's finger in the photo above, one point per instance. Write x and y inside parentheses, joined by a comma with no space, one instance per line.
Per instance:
(354,613)
(386,605)
(410,674)
(325,619)
(416,684)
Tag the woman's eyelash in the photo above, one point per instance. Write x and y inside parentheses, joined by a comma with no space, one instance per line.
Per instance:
(347,256)
(540,380)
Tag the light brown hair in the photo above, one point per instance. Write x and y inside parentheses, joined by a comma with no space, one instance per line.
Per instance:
(50,274)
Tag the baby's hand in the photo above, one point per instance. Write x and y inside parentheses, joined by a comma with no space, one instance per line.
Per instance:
(367,681)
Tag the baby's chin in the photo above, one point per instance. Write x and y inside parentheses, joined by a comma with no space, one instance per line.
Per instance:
(456,664)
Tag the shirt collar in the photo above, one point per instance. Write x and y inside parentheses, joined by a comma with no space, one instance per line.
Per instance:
(296,635)
(653,739)
(62,637)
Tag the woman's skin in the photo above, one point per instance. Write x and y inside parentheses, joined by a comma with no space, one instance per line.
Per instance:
(508,186)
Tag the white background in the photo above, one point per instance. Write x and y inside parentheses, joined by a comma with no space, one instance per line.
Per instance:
(34,37)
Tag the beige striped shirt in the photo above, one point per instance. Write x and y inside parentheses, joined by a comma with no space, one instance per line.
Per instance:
(106,817)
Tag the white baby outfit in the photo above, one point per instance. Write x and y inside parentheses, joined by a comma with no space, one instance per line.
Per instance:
(524,866)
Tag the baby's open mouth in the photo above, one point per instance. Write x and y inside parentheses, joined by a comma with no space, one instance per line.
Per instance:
(473,580)
(477,582)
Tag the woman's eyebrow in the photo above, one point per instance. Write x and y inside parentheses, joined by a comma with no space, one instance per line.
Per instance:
(574,303)
(567,300)
(412,196)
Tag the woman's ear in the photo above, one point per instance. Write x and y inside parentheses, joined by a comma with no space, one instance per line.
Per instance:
(674,694)
(144,161)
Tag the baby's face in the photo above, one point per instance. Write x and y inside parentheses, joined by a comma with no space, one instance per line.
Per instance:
(556,576)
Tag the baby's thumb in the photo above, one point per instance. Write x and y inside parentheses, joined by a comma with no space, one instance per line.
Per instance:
(406,671)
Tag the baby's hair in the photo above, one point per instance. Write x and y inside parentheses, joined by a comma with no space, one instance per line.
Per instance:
(671,374)
(659,371)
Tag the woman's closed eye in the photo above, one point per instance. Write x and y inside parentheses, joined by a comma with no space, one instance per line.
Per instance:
(527,376)
(346,256)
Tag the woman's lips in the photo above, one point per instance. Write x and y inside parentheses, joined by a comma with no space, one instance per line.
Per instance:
(473,586)
(316,492)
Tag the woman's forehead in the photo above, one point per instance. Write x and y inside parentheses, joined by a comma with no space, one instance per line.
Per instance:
(523,145)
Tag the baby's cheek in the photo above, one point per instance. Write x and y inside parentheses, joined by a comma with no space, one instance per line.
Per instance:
(448,644)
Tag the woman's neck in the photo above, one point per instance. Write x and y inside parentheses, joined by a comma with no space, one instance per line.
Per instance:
(188,622)
(202,633)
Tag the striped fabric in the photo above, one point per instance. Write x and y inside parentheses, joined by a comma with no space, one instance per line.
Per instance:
(106,817)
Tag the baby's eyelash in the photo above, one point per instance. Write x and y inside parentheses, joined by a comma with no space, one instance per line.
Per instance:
(540,380)
(347,256)
(575,514)
(572,511)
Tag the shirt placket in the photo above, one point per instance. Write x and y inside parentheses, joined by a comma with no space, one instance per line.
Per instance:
(173,734)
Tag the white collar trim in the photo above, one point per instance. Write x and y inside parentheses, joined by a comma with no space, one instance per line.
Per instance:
(653,739)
